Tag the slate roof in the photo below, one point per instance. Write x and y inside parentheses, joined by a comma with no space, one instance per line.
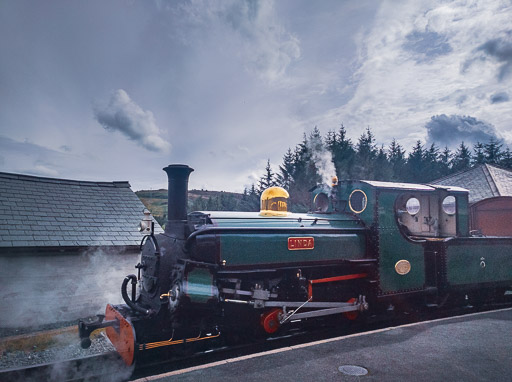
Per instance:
(483,181)
(47,212)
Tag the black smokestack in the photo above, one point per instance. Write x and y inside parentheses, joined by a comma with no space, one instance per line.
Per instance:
(177,194)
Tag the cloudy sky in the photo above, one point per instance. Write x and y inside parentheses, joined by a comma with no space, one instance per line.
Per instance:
(116,90)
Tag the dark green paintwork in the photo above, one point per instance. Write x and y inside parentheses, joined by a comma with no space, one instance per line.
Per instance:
(267,247)
(463,260)
(393,246)
(239,249)
(367,215)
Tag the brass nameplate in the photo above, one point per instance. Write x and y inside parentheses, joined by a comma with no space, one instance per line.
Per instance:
(297,243)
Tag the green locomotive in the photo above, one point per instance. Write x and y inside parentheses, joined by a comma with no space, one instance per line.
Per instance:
(366,246)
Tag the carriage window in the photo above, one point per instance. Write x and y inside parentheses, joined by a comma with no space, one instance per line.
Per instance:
(357,201)
(449,205)
(412,206)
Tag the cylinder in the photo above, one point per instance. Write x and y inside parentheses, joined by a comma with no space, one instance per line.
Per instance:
(177,192)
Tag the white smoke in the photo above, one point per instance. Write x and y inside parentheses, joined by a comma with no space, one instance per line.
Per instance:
(42,290)
(125,116)
(322,158)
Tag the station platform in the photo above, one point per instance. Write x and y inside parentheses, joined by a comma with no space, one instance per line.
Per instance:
(474,347)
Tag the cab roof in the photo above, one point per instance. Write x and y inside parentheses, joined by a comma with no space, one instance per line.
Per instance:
(412,186)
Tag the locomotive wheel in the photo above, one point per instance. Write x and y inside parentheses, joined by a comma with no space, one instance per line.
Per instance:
(351,315)
(270,320)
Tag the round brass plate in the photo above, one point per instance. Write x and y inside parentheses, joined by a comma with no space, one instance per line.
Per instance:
(402,267)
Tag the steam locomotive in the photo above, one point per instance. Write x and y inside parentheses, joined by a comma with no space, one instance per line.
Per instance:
(367,246)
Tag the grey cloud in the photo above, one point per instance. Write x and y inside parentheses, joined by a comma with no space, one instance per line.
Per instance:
(123,115)
(499,49)
(426,45)
(453,129)
(269,47)
(253,28)
(500,97)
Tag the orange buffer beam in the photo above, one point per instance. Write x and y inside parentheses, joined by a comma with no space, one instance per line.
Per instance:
(331,279)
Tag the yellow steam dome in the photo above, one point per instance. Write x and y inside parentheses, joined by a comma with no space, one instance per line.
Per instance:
(274,202)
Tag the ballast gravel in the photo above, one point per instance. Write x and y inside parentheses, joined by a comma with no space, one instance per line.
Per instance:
(63,346)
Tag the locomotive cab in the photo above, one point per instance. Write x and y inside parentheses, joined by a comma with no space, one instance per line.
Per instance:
(404,218)
(420,211)
(433,213)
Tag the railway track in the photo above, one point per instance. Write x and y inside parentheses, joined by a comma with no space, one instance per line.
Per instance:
(110,367)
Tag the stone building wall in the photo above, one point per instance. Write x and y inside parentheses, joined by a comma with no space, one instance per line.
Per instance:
(41,289)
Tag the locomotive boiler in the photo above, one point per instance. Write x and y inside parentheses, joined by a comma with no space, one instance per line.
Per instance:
(365,246)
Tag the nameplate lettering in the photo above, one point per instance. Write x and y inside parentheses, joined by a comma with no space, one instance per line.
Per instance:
(297,243)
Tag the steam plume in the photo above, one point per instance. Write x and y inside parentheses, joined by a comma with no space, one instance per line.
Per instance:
(322,159)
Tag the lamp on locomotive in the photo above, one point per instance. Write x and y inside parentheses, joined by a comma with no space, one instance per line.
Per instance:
(274,202)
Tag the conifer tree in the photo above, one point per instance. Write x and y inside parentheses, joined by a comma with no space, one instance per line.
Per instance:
(396,155)
(366,154)
(383,169)
(365,160)
(267,180)
(445,160)
(492,151)
(286,170)
(330,140)
(414,167)
(506,159)
(252,202)
(478,154)
(430,165)
(343,153)
(461,161)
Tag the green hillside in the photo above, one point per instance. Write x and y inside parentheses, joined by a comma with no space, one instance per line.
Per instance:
(198,200)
